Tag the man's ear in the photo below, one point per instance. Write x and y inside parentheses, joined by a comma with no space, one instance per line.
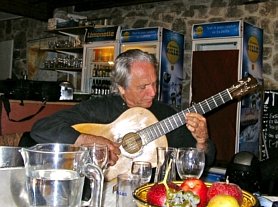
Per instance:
(122,90)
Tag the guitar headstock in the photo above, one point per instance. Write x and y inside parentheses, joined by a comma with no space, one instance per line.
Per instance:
(244,87)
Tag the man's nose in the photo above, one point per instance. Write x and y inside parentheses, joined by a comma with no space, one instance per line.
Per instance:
(152,91)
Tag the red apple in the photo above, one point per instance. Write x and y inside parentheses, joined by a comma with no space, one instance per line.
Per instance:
(225,188)
(157,194)
(198,187)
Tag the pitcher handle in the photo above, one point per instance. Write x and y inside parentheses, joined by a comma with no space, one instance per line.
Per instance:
(96,177)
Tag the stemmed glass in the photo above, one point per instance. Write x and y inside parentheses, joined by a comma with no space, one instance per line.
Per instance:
(143,169)
(98,155)
(190,162)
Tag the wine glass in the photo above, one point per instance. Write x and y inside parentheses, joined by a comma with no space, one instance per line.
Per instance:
(190,162)
(143,169)
(98,155)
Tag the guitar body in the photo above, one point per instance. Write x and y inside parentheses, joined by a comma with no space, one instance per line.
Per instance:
(132,120)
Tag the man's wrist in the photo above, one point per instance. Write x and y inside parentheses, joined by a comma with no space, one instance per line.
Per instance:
(83,139)
(202,146)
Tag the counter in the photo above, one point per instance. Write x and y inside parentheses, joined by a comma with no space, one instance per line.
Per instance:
(20,110)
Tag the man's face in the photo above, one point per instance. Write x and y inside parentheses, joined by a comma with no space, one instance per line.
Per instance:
(142,86)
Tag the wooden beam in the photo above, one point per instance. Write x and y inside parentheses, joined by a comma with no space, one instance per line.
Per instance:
(41,11)
(98,4)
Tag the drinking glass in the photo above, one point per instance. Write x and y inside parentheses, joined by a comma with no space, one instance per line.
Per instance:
(164,155)
(98,155)
(190,162)
(126,184)
(143,169)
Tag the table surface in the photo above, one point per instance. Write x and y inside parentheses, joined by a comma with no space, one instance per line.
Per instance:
(109,197)
(9,177)
(17,197)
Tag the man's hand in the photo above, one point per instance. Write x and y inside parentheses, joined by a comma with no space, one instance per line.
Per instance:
(197,125)
(113,147)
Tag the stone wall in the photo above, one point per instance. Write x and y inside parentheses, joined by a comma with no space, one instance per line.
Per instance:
(177,15)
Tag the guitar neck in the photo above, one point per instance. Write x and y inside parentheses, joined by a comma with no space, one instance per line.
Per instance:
(167,125)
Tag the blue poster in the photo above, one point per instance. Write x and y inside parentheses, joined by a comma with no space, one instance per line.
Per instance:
(251,105)
(140,35)
(171,74)
(217,29)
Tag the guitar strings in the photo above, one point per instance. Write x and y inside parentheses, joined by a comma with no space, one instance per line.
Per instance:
(158,129)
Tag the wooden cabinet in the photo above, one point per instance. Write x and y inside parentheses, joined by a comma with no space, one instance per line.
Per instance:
(223,57)
(213,72)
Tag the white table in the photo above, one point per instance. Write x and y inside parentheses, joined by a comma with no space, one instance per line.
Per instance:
(12,191)
(15,177)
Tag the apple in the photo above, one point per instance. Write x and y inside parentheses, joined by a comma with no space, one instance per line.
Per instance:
(223,201)
(225,188)
(157,194)
(198,187)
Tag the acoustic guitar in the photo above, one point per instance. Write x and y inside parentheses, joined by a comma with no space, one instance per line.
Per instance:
(139,132)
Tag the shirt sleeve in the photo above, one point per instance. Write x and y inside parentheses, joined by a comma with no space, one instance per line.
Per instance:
(58,127)
(55,128)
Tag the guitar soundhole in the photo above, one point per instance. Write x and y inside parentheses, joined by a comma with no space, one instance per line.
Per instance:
(132,143)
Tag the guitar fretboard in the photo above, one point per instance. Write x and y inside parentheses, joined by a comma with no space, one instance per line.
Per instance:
(167,125)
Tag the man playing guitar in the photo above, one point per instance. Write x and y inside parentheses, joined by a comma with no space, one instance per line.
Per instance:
(134,82)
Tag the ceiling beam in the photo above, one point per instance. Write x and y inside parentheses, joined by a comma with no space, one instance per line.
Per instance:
(99,4)
(41,11)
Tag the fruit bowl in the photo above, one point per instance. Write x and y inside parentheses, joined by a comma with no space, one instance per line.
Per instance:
(140,195)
